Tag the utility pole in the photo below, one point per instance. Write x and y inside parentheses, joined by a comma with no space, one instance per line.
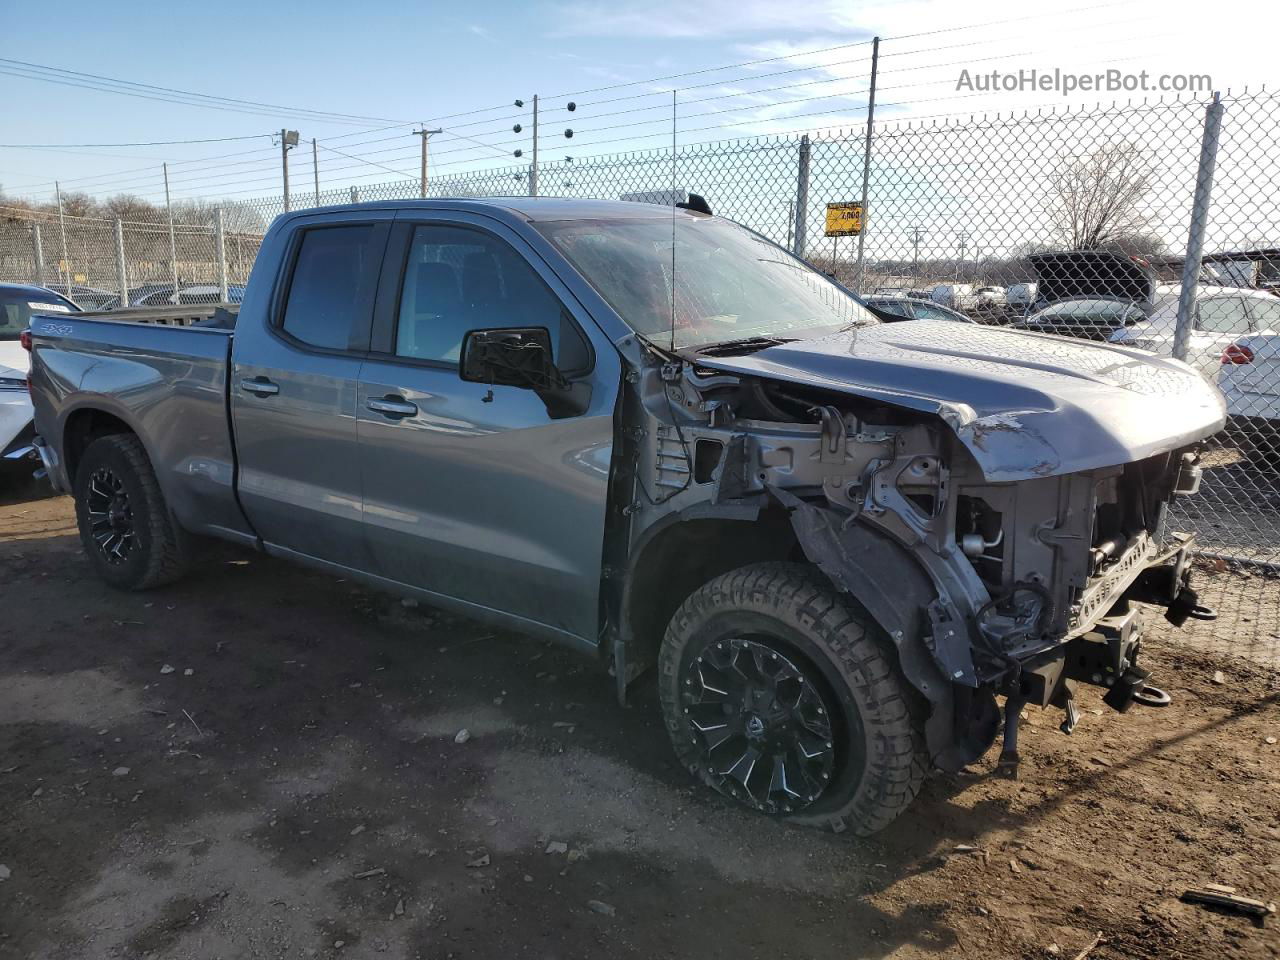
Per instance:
(288,138)
(173,241)
(866,154)
(424,134)
(915,247)
(315,169)
(519,152)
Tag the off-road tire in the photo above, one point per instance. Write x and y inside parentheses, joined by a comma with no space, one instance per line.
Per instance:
(160,551)
(885,760)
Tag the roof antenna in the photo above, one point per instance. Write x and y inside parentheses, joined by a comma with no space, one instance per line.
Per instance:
(674,199)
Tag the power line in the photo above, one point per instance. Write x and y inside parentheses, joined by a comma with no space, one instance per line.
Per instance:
(154,91)
(147,143)
(369,162)
(106,181)
(705,70)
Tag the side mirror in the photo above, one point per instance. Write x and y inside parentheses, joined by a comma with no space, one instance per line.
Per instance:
(521,357)
(512,357)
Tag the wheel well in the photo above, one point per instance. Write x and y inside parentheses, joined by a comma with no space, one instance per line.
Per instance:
(83,427)
(680,558)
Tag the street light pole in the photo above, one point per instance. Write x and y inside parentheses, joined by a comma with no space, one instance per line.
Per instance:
(288,138)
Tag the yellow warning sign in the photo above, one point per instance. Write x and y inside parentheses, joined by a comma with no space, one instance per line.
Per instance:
(844,219)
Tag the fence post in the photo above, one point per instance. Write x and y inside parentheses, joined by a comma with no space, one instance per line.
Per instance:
(65,266)
(122,275)
(220,250)
(802,197)
(866,156)
(37,252)
(1200,203)
(533,167)
(355,195)
(173,240)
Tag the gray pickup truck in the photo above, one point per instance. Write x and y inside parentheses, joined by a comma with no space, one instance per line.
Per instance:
(657,437)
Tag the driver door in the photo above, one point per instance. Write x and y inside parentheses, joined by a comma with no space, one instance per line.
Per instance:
(475,492)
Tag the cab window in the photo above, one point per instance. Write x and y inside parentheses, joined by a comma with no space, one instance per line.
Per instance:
(457,280)
(331,287)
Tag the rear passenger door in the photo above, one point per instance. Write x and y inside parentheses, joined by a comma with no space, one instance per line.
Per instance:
(474,492)
(293,390)
(1262,376)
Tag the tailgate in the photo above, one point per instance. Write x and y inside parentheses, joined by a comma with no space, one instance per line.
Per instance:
(1093,273)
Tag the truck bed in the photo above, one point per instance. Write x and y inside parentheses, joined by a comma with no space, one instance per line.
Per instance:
(220,315)
(167,382)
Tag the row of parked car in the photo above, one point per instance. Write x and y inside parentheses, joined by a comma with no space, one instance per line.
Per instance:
(1234,339)
(146,295)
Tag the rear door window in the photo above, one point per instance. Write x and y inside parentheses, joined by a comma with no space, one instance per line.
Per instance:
(331,288)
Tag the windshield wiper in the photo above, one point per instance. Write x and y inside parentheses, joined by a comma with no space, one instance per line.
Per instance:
(744,345)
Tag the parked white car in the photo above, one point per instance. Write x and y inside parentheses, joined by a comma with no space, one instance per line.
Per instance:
(1223,315)
(991,298)
(1249,377)
(17,303)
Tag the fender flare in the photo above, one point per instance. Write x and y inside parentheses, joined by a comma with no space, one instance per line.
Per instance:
(898,593)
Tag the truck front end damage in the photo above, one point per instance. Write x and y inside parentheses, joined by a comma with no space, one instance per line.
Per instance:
(998,559)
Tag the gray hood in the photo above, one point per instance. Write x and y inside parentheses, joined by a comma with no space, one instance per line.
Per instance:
(1024,404)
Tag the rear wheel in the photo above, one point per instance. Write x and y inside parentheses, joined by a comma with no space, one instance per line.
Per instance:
(781,694)
(125,526)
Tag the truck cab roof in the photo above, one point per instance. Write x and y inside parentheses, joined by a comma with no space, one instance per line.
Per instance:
(528,209)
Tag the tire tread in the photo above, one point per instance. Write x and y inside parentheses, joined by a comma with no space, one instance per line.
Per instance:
(897,760)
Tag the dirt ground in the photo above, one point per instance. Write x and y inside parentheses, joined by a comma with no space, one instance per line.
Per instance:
(261,762)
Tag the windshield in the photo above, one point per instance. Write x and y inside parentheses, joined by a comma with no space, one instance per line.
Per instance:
(730,284)
(16,310)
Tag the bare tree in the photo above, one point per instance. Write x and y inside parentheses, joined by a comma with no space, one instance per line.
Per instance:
(1097,199)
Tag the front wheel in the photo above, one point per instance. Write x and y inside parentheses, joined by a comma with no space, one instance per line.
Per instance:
(782,694)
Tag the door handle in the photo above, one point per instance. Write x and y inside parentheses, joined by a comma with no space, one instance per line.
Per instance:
(392,406)
(260,386)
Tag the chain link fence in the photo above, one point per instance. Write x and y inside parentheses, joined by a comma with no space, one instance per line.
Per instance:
(104,263)
(1155,226)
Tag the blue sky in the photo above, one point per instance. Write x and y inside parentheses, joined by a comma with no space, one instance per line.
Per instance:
(409,61)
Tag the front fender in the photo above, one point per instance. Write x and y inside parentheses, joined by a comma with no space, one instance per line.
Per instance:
(901,597)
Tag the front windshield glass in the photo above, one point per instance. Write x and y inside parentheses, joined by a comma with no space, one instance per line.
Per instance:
(730,284)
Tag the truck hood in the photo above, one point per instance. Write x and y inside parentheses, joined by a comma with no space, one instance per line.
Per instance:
(1024,404)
